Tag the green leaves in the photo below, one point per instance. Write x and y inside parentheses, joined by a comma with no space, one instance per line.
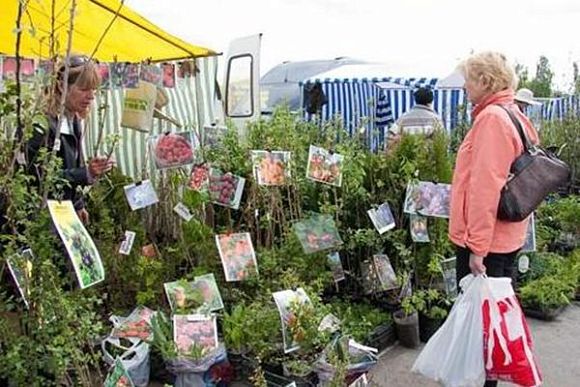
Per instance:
(550,292)
(429,302)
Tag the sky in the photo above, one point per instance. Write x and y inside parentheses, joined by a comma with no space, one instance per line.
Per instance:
(413,37)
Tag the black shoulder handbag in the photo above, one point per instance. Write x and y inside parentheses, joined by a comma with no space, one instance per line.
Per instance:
(533,175)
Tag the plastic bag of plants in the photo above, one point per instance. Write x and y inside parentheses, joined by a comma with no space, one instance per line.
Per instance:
(359,358)
(211,370)
(135,357)
(138,107)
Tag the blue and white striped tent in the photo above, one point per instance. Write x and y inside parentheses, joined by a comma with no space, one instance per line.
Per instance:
(560,108)
(393,98)
(355,95)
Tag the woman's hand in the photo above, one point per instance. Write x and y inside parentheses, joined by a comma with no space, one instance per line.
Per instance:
(83,215)
(476,264)
(100,165)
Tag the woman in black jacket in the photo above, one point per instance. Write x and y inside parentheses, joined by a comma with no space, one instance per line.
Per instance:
(83,81)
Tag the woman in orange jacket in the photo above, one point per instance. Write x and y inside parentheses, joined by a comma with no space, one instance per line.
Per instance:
(484,243)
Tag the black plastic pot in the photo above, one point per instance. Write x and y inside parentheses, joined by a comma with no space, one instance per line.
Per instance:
(243,365)
(544,314)
(158,371)
(386,305)
(382,337)
(407,329)
(274,375)
(428,326)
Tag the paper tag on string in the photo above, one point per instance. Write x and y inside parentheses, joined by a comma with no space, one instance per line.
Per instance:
(127,243)
(20,158)
(183,212)
(523,264)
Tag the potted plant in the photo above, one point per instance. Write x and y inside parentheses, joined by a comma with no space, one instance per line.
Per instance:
(295,366)
(250,333)
(189,361)
(343,360)
(558,226)
(433,307)
(365,323)
(545,298)
(382,336)
(407,323)
(572,266)
(300,371)
(236,336)
(542,264)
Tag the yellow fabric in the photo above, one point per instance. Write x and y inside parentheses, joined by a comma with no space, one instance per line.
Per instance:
(131,38)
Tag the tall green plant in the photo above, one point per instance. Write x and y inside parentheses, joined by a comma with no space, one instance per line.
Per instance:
(563,137)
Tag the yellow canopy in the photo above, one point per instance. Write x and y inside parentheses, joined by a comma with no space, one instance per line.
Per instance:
(131,37)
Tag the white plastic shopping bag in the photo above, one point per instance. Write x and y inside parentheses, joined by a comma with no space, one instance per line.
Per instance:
(454,355)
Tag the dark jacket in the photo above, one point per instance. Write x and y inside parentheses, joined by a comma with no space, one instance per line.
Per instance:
(71,154)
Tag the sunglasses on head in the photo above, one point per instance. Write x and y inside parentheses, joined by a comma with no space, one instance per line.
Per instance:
(76,61)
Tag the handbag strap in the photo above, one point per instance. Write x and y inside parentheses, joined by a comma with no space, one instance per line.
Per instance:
(525,140)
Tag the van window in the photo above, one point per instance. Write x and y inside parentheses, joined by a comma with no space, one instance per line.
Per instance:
(239,92)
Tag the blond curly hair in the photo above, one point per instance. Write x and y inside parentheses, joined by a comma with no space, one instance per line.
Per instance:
(492,69)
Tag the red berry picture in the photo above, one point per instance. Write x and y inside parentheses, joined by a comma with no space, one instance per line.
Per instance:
(172,150)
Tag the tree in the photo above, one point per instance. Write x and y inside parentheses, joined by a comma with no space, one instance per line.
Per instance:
(541,85)
(522,74)
(576,79)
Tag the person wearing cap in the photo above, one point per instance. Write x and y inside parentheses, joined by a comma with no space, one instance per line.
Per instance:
(524,98)
(83,81)
(421,119)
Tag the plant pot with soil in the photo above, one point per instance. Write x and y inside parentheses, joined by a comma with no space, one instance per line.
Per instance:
(433,310)
(382,336)
(432,306)
(407,324)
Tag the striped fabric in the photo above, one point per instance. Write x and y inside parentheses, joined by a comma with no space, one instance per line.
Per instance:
(353,103)
(446,102)
(558,108)
(384,115)
(191,103)
(361,104)
(367,103)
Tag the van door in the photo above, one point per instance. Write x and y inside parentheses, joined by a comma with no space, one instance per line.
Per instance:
(242,80)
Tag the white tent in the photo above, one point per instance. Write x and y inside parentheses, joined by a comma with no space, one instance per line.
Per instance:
(365,71)
(454,80)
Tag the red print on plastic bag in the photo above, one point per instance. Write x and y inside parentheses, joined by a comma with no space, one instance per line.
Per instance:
(508,347)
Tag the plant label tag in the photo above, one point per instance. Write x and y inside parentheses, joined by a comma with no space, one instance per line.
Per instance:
(183,212)
(361,381)
(354,344)
(127,243)
(197,317)
(329,323)
(523,264)
(20,158)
